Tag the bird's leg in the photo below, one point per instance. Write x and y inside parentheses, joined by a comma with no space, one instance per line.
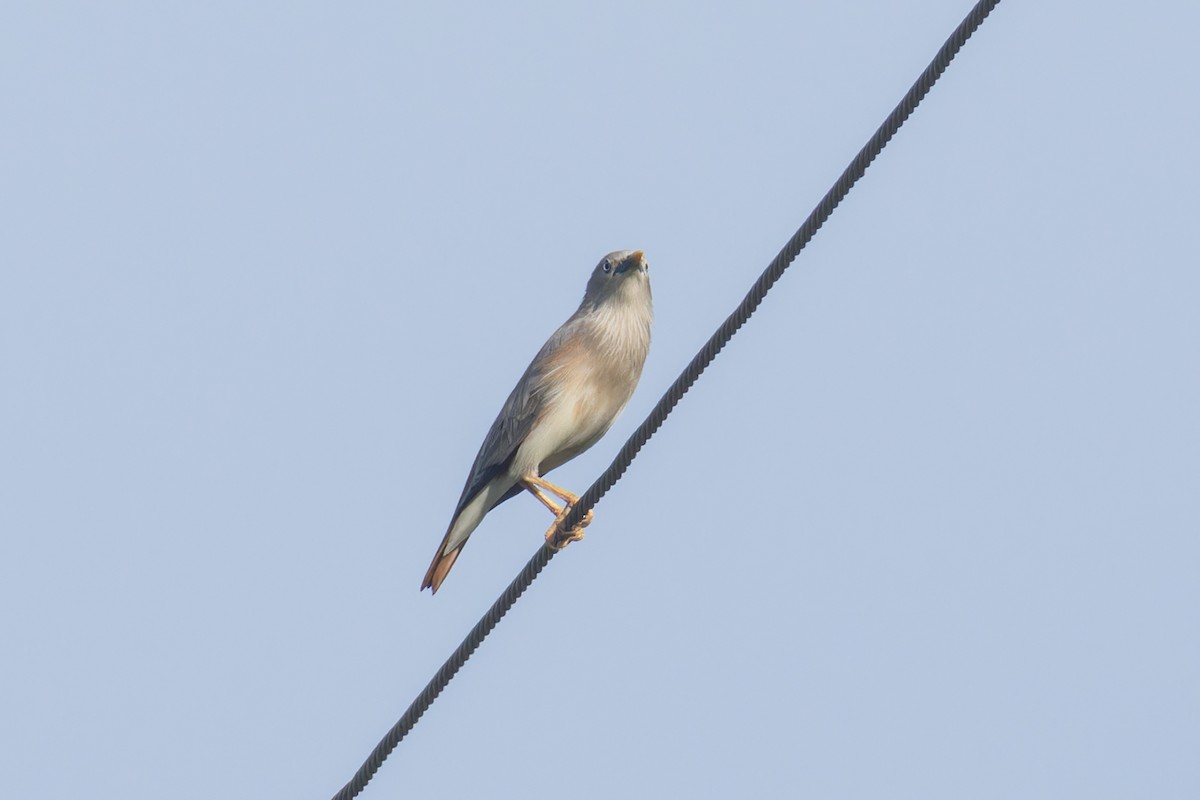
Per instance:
(541,483)
(554,507)
(535,485)
(532,481)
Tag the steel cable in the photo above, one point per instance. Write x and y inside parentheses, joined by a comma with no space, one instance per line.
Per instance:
(855,170)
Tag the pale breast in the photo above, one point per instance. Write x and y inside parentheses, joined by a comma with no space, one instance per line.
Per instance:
(591,381)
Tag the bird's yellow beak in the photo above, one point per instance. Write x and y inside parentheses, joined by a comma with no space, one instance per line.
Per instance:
(636,259)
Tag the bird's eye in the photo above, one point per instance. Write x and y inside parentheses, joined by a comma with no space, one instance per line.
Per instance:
(607,266)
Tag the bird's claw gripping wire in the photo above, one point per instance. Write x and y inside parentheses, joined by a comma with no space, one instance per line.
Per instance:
(557,539)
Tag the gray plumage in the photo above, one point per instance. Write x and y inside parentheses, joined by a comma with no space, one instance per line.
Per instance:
(569,396)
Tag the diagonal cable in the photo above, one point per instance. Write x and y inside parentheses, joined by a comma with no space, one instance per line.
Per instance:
(855,170)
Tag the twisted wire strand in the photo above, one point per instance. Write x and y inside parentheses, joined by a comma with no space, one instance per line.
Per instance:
(855,170)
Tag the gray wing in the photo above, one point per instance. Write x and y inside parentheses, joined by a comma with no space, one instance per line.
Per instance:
(512,425)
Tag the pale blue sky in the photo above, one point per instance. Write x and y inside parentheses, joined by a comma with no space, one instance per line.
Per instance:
(928,528)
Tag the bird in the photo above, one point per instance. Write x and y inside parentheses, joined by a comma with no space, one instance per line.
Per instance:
(568,398)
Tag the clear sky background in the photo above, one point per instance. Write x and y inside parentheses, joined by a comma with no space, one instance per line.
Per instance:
(928,527)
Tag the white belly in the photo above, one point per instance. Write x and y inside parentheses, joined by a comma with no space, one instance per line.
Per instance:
(571,423)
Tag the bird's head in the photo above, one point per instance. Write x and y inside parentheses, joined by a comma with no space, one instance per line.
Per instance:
(622,276)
